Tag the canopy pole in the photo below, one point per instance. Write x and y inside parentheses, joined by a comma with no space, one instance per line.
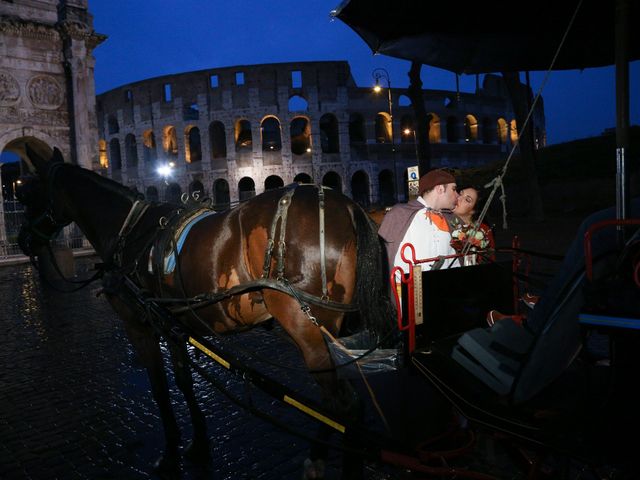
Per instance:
(623,12)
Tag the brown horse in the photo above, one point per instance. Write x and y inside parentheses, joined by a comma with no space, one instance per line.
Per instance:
(274,239)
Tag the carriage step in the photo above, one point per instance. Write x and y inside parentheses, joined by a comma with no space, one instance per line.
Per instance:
(494,356)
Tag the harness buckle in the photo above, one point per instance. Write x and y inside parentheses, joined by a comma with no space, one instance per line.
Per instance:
(307,311)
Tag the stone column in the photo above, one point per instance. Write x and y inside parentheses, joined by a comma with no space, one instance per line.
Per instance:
(79,41)
(3,228)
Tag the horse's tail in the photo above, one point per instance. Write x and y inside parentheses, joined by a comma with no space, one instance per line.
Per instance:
(372,291)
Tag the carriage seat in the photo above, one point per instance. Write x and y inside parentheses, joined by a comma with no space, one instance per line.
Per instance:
(494,356)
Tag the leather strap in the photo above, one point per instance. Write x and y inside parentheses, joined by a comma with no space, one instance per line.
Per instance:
(323,266)
(281,218)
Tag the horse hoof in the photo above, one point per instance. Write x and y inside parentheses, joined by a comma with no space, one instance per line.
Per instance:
(198,452)
(313,469)
(167,468)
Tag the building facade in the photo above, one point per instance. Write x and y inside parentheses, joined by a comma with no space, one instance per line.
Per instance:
(47,93)
(230,133)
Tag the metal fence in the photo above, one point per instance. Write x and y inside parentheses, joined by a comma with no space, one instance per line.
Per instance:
(13,218)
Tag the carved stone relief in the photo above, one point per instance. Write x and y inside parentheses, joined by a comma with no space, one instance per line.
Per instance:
(45,92)
(9,89)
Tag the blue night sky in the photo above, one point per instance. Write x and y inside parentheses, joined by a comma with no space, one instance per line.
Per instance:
(157,37)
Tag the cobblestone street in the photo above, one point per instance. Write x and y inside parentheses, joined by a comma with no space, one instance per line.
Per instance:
(75,404)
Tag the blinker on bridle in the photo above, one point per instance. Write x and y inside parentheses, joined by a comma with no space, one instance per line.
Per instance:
(49,214)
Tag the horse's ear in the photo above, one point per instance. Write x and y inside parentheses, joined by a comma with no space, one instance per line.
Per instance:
(36,160)
(57,156)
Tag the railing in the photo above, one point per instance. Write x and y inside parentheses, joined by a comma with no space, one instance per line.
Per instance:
(12,220)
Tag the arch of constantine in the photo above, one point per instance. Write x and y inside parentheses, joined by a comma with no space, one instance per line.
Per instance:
(47,93)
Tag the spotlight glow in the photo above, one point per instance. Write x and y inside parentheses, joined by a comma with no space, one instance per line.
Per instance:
(164,170)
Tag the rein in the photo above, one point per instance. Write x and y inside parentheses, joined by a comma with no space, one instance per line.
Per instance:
(135,214)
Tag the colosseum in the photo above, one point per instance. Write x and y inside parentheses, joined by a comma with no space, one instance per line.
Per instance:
(231,133)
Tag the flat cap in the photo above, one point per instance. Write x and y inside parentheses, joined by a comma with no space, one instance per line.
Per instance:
(433,178)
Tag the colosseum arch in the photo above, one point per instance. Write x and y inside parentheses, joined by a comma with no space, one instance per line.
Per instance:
(502,129)
(300,132)
(383,127)
(151,194)
(386,188)
(221,197)
(470,128)
(243,135)
(102,154)
(329,135)
(272,182)
(112,125)
(131,150)
(404,101)
(356,128)
(513,128)
(170,141)
(298,103)
(172,194)
(333,181)
(246,188)
(115,158)
(193,150)
(196,190)
(271,134)
(435,135)
(452,129)
(218,145)
(149,151)
(303,178)
(360,188)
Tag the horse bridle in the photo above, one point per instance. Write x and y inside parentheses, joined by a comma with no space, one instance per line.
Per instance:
(48,215)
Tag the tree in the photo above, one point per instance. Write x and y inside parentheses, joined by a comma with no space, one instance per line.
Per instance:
(520,96)
(421,125)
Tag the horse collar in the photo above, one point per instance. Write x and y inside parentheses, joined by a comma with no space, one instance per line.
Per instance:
(137,210)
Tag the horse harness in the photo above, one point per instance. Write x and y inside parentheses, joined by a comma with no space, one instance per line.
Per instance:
(165,243)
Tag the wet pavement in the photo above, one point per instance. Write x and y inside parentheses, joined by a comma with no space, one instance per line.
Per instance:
(75,404)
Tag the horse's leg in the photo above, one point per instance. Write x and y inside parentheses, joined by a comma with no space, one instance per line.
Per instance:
(147,347)
(198,449)
(338,395)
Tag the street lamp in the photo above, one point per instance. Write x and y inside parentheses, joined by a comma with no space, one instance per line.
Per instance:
(408,131)
(165,170)
(381,73)
(16,183)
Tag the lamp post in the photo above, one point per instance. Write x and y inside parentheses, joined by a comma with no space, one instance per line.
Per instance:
(16,183)
(381,73)
(407,131)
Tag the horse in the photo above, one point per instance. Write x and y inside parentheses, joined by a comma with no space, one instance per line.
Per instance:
(310,254)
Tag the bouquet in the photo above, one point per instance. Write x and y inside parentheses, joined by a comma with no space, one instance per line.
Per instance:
(474,234)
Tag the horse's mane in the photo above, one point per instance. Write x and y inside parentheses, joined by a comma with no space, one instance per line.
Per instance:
(104,183)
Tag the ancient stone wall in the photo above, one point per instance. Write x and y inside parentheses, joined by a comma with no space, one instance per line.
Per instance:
(285,122)
(47,93)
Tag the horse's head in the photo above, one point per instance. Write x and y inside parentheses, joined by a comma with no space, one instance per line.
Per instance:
(43,221)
